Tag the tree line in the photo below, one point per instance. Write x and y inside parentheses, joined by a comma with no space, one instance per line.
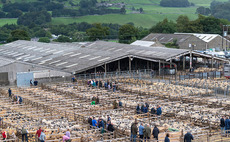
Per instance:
(85,7)
(216,9)
(127,33)
(176,3)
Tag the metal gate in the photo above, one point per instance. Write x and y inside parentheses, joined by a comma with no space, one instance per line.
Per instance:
(23,79)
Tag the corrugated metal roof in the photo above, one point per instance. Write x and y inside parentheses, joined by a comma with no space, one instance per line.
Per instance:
(71,57)
(166,38)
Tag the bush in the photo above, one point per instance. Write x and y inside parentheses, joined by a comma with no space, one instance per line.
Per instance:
(44,39)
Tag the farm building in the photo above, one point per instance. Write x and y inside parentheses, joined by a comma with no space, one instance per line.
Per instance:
(62,59)
(191,40)
(106,108)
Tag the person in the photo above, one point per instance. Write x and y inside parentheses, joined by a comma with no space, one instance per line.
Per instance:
(4,135)
(147,132)
(147,105)
(93,100)
(96,83)
(120,103)
(38,133)
(108,118)
(97,100)
(101,125)
(24,134)
(42,137)
(141,134)
(167,138)
(90,121)
(67,133)
(94,122)
(73,79)
(114,104)
(188,137)
(142,108)
(105,85)
(110,126)
(159,111)
(153,110)
(20,99)
(222,125)
(134,130)
(145,109)
(9,91)
(138,109)
(114,88)
(155,132)
(65,138)
(227,125)
(35,82)
(31,82)
(100,84)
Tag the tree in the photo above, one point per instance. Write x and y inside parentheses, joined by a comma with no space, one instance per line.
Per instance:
(122,10)
(164,26)
(174,3)
(202,10)
(141,10)
(97,32)
(127,34)
(34,18)
(2,14)
(44,39)
(14,14)
(182,23)
(18,35)
(3,36)
(63,39)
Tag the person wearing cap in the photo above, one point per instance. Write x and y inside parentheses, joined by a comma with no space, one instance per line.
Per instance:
(42,137)
(147,132)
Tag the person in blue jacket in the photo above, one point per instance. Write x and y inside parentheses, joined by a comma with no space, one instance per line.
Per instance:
(167,138)
(145,109)
(227,125)
(141,128)
(10,92)
(94,122)
(188,137)
(159,111)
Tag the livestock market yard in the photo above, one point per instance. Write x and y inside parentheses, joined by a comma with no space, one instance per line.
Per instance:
(60,106)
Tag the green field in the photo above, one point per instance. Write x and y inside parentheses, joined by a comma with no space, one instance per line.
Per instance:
(144,20)
(4,21)
(153,13)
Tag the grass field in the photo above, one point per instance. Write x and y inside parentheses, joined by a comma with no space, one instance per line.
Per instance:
(144,20)
(4,21)
(153,13)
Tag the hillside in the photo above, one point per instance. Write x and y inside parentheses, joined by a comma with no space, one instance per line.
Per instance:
(152,12)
